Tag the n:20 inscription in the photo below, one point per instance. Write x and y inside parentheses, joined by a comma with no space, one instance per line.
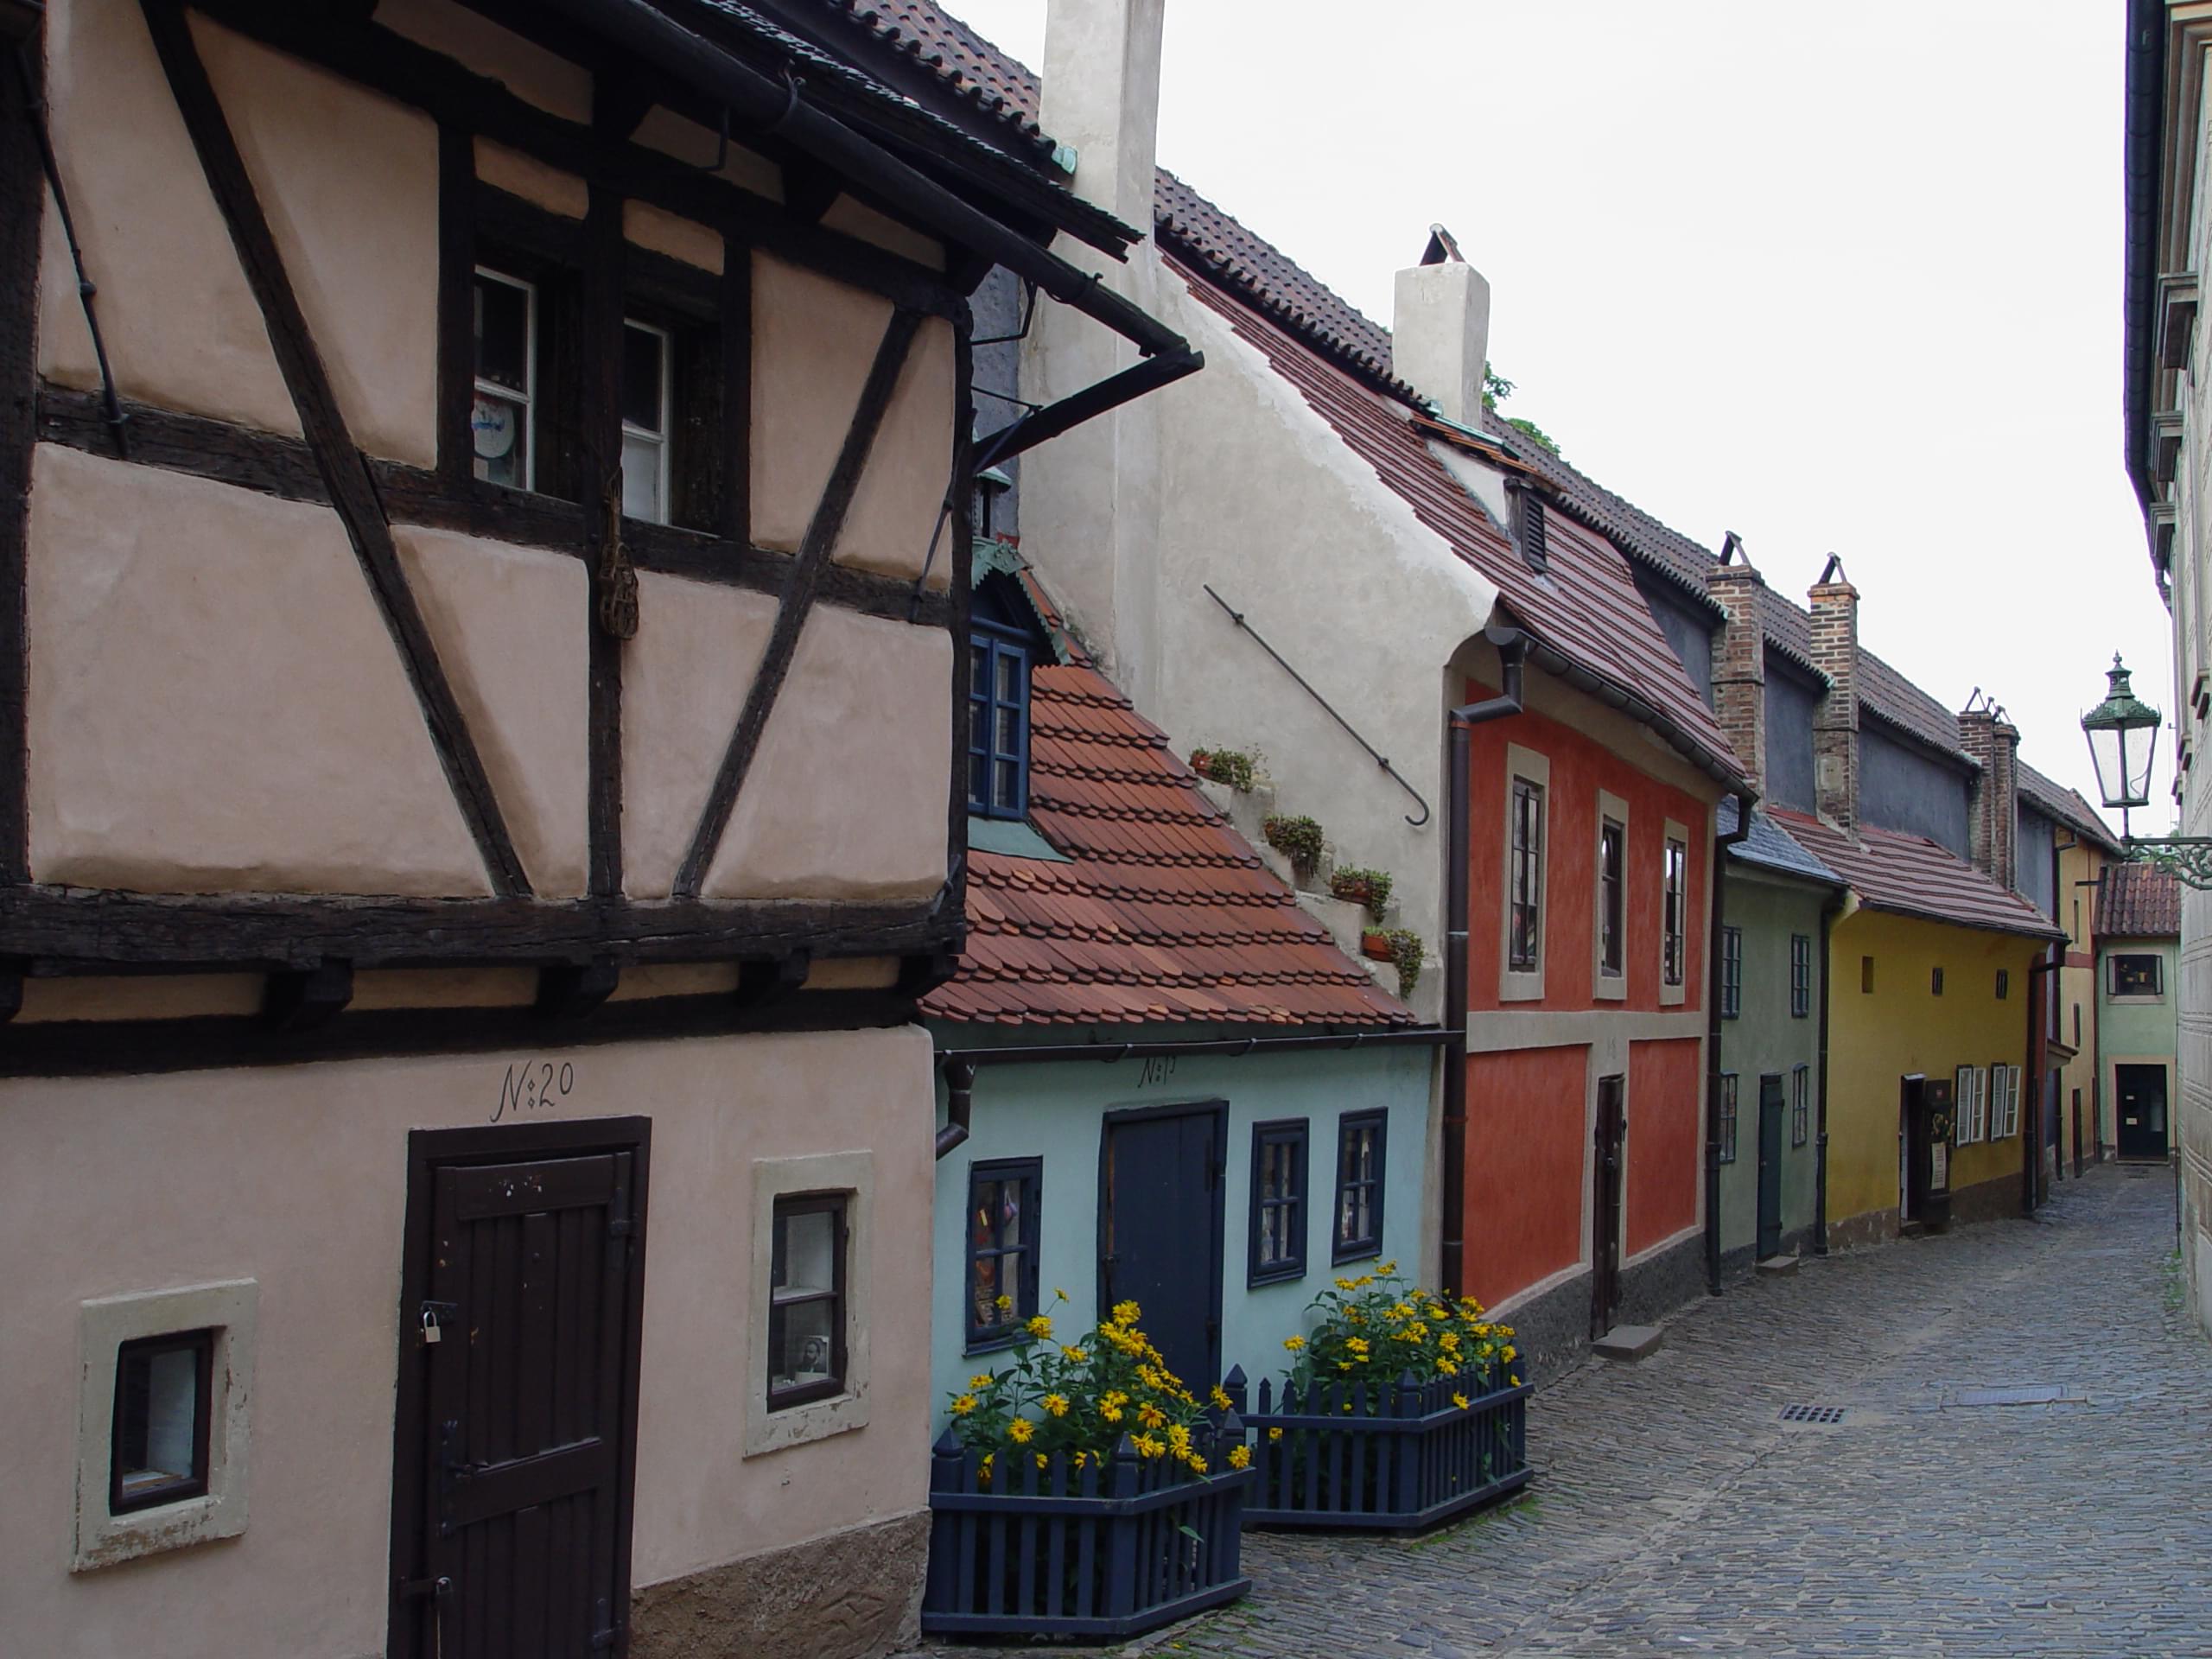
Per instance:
(533,1086)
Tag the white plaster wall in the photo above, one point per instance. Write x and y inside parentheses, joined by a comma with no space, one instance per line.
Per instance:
(679,238)
(509,625)
(535,182)
(849,216)
(214,702)
(294,1177)
(847,794)
(531,73)
(894,510)
(684,677)
(813,342)
(672,135)
(153,240)
(349,182)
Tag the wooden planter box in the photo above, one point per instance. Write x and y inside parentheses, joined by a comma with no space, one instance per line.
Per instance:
(1085,1554)
(1395,1458)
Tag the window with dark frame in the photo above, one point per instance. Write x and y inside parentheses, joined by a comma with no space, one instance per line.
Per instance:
(1360,1152)
(1278,1242)
(157,1446)
(998,724)
(1612,896)
(1800,976)
(1731,972)
(1728,1117)
(1935,982)
(1001,1249)
(806,1301)
(2077,1024)
(2138,976)
(1535,542)
(1525,916)
(2004,984)
(1801,1104)
(1672,951)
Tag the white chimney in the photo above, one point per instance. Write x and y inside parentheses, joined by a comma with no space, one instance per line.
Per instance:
(1440,330)
(1102,96)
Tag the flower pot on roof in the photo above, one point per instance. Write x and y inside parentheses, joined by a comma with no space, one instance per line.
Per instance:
(1370,888)
(1406,952)
(1375,944)
(1231,767)
(1400,1411)
(1299,840)
(1083,1493)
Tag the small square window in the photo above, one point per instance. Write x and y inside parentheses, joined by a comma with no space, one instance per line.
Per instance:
(1728,1117)
(1278,1242)
(158,1449)
(1731,972)
(1359,1185)
(1001,1249)
(806,1301)
(2137,975)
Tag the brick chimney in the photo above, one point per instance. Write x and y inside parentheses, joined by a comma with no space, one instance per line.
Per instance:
(1990,737)
(1739,658)
(1835,725)
(1439,329)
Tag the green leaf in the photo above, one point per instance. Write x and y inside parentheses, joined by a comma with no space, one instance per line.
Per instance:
(1191,1534)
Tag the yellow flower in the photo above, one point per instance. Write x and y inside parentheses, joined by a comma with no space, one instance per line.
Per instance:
(1020,1430)
(1042,1460)
(1180,1438)
(1057,1404)
(1357,1346)
(1460,1401)
(1275,1433)
(1343,1364)
(1347,1284)
(1198,1463)
(963,1405)
(1111,1414)
(1149,1447)
(1125,1312)
(1362,1281)
(1240,1457)
(1447,1367)
(1076,1354)
(1387,1269)
(980,1380)
(1220,1397)
(1039,1326)
(1514,1381)
(1005,1304)
(1438,1313)
(1507,1352)
(1293,1343)
(1059,1295)
(984,1467)
(1150,1415)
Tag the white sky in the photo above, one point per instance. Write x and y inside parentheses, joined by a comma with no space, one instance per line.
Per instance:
(1838,278)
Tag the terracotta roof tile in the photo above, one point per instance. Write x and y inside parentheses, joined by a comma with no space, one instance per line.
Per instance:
(1163,914)
(1912,875)
(2138,901)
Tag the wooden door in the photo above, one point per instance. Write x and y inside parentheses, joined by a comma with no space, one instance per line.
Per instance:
(1770,1239)
(2142,1090)
(1605,1205)
(1161,1230)
(520,1327)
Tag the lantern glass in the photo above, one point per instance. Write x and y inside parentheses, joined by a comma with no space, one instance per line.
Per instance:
(2123,734)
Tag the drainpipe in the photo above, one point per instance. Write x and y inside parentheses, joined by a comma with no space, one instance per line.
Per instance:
(1720,845)
(959,1099)
(2038,1025)
(1512,651)
(1829,912)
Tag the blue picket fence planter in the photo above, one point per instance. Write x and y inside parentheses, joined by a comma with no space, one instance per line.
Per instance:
(1396,1458)
(1097,1553)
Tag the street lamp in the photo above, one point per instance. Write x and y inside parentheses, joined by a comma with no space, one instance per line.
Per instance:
(2123,734)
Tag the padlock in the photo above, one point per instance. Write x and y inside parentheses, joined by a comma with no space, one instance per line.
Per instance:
(430,1332)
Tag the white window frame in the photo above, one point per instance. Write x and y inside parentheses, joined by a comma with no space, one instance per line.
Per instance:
(1604,987)
(853,1174)
(1966,1087)
(1673,995)
(664,439)
(1526,985)
(2008,1101)
(506,394)
(102,1327)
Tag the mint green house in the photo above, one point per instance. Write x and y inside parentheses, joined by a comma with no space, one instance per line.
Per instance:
(1773,955)
(2139,946)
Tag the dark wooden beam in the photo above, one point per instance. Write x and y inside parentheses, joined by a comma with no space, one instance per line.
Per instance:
(759,983)
(737,392)
(922,973)
(302,999)
(12,991)
(571,990)
(601,420)
(283,467)
(345,472)
(810,188)
(85,929)
(456,371)
(799,591)
(22,192)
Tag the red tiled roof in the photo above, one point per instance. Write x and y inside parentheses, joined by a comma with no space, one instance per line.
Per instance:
(1164,913)
(2138,901)
(1584,605)
(1912,875)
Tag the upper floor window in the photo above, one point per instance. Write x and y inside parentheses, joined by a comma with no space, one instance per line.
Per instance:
(1731,972)
(646,389)
(998,724)
(1677,896)
(1800,976)
(1525,918)
(503,423)
(1612,896)
(2138,976)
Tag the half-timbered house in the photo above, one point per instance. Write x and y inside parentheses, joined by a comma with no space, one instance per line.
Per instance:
(483,539)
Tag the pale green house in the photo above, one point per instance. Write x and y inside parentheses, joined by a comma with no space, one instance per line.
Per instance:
(2139,945)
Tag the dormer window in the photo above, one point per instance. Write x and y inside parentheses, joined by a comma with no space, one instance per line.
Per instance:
(1528,528)
(983,509)
(1003,643)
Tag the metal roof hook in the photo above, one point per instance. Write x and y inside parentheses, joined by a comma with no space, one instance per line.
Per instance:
(792,87)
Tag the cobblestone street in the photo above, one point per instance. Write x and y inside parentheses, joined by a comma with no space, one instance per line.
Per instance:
(1673,1512)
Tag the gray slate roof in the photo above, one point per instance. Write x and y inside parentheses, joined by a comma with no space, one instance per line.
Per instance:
(1772,848)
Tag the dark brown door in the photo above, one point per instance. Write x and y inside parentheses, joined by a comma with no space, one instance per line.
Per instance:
(518,1382)
(2142,1090)
(1605,1206)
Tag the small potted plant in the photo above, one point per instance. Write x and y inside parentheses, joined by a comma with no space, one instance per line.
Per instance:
(1368,887)
(1231,767)
(1375,945)
(1400,1408)
(1110,1496)
(1299,840)
(1406,952)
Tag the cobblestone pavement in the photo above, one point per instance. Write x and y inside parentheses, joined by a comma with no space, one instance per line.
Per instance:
(1673,1512)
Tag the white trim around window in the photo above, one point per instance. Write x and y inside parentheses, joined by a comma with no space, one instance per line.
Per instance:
(1613,987)
(849,1174)
(1671,995)
(1524,765)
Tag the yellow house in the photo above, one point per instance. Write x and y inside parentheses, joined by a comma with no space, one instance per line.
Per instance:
(1932,974)
(2085,849)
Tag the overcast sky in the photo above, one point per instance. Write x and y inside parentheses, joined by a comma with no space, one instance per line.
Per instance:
(1838,278)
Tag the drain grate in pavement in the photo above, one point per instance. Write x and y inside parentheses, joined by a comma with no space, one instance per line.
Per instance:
(1812,1414)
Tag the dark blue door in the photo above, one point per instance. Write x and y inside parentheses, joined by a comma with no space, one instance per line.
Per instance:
(1770,1238)
(1159,1231)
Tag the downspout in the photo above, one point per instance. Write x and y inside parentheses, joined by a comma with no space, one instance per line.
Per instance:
(1829,912)
(1512,651)
(1712,973)
(2038,1025)
(959,1102)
